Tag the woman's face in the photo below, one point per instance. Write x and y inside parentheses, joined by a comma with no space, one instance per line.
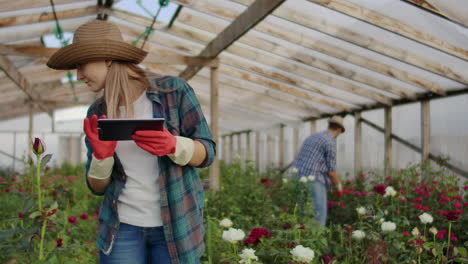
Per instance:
(93,74)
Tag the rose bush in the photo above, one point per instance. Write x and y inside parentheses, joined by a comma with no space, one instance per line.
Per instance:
(414,215)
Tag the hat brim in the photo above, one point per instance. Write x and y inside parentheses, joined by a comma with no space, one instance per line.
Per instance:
(68,57)
(340,125)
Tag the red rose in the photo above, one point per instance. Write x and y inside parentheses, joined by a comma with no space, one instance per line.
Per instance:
(453,238)
(266,182)
(250,241)
(59,242)
(331,204)
(83,216)
(380,188)
(327,259)
(20,215)
(348,228)
(72,219)
(38,146)
(441,234)
(259,232)
(444,199)
(451,216)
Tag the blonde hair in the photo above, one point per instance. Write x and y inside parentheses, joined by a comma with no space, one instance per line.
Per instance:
(117,91)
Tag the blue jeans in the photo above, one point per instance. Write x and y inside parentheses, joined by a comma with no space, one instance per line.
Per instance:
(319,197)
(138,245)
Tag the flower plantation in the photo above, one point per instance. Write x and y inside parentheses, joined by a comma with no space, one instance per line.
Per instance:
(415,215)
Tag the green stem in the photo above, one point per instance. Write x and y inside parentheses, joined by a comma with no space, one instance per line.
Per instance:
(31,175)
(419,256)
(41,245)
(38,182)
(234,245)
(448,240)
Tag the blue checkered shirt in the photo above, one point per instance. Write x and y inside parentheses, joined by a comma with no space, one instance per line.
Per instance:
(317,157)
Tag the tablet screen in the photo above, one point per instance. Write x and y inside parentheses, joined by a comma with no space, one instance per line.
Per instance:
(123,129)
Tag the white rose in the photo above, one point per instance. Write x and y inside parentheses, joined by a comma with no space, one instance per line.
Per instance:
(285,180)
(358,234)
(390,191)
(233,235)
(294,170)
(301,253)
(381,220)
(225,223)
(388,226)
(415,232)
(361,210)
(433,230)
(303,179)
(311,178)
(247,255)
(426,218)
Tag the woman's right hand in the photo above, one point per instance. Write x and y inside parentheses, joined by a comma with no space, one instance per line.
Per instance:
(101,149)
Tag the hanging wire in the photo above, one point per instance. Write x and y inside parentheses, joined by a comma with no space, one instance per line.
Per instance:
(149,30)
(58,32)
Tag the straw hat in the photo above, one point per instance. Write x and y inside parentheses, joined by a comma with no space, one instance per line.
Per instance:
(95,40)
(338,120)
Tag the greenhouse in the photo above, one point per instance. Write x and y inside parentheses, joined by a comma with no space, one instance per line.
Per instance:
(265,76)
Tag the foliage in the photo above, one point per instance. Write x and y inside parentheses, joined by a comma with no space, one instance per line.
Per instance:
(252,200)
(270,214)
(48,215)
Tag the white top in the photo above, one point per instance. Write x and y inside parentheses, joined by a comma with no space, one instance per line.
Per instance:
(139,202)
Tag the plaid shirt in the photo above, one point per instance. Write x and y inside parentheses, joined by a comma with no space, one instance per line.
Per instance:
(317,157)
(182,197)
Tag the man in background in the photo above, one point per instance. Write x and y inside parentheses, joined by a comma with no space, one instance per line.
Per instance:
(317,161)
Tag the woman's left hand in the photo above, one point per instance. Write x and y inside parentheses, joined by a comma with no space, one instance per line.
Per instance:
(159,143)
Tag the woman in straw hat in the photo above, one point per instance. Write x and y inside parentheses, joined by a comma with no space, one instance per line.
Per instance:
(153,199)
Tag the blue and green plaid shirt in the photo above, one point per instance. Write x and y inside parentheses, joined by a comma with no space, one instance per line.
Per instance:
(181,191)
(317,157)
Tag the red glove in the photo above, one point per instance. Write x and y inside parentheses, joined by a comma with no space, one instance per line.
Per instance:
(159,143)
(102,149)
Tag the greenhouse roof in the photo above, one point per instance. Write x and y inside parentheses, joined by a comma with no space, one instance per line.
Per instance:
(278,61)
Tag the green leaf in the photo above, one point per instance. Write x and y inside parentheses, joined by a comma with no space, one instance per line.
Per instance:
(50,246)
(34,214)
(54,205)
(45,160)
(28,204)
(462,251)
(6,234)
(54,259)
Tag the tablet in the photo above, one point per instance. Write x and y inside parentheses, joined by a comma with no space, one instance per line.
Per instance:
(123,129)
